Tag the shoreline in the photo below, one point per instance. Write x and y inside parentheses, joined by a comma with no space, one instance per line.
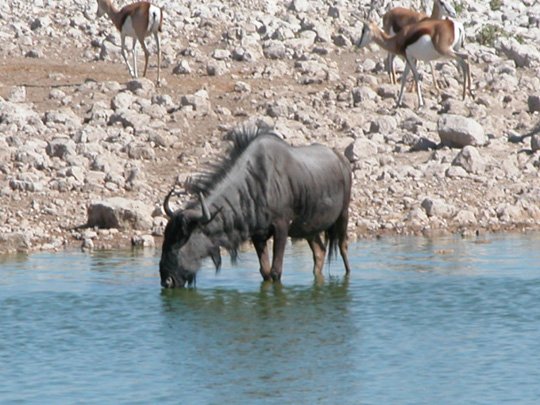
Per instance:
(122,242)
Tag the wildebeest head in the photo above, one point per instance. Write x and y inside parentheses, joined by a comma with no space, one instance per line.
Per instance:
(185,245)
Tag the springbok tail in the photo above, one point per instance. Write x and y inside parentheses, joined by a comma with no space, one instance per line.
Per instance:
(460,43)
(155,22)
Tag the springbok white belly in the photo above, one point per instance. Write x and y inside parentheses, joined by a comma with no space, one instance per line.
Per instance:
(127,28)
(423,49)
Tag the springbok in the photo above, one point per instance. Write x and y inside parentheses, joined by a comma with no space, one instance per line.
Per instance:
(426,40)
(138,21)
(396,18)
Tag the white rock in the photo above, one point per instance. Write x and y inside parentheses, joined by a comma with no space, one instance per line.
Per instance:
(300,6)
(61,148)
(145,241)
(523,55)
(465,217)
(361,149)
(120,213)
(470,159)
(458,131)
(435,207)
(362,94)
(182,68)
(221,54)
(17,94)
(123,101)
(19,114)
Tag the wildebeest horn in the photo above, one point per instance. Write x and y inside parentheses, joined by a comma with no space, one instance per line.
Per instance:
(206,212)
(166,206)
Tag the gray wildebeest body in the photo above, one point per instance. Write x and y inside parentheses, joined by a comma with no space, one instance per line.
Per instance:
(264,188)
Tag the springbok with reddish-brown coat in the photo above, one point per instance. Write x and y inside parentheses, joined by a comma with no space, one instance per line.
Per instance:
(396,18)
(138,21)
(426,41)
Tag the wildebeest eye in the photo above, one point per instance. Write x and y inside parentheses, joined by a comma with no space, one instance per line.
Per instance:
(179,230)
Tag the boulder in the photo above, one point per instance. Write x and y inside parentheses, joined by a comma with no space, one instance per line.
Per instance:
(465,217)
(120,213)
(19,114)
(182,68)
(14,242)
(141,87)
(199,101)
(144,241)
(61,148)
(522,54)
(361,148)
(469,158)
(65,117)
(435,207)
(130,118)
(275,50)
(123,101)
(458,131)
(300,6)
(363,93)
(221,54)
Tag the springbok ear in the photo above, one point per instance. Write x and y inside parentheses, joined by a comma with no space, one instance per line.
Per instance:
(215,254)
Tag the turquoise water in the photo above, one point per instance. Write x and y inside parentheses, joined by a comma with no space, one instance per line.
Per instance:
(419,321)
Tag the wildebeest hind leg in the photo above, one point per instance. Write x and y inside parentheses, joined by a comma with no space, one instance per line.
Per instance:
(261,248)
(318,248)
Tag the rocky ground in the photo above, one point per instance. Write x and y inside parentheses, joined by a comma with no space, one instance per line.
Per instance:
(83,144)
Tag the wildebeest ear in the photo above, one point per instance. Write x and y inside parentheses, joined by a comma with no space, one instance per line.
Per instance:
(216,257)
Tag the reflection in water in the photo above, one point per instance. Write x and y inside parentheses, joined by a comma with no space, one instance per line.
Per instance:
(250,343)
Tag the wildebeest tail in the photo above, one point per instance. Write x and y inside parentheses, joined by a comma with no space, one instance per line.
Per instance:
(332,239)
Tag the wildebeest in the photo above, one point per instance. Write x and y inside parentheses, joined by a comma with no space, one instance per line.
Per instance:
(263,188)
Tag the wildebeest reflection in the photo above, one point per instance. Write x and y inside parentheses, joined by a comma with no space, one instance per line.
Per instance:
(263,188)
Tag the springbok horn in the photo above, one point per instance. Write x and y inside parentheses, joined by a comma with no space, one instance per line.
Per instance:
(206,212)
(166,206)
(372,5)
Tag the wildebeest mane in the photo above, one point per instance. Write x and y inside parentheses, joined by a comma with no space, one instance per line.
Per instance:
(214,172)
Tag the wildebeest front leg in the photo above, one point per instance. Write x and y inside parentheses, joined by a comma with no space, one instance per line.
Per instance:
(262,252)
(281,231)
(318,248)
(341,225)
